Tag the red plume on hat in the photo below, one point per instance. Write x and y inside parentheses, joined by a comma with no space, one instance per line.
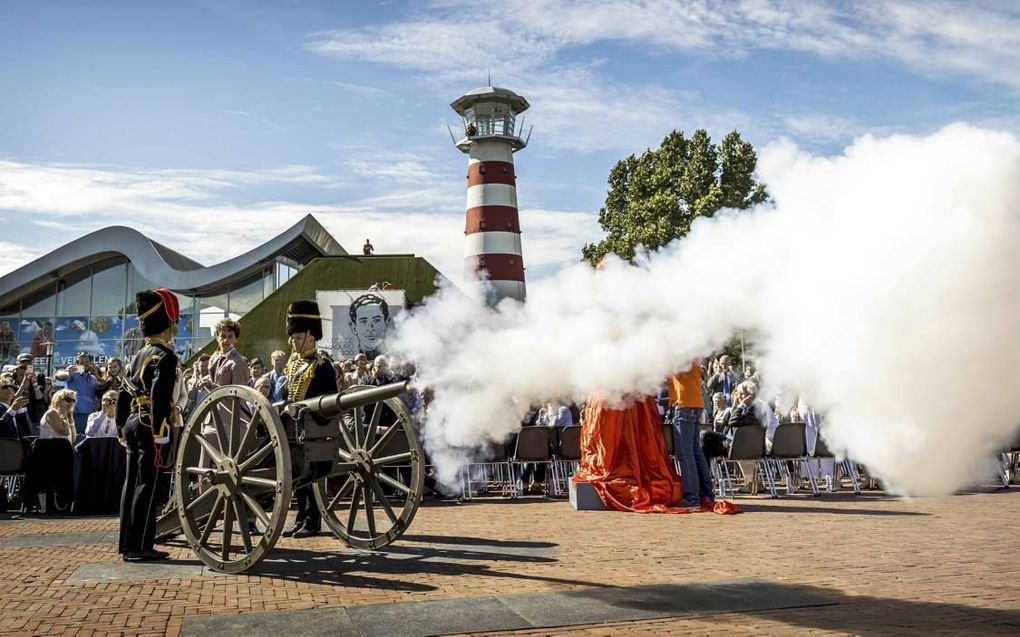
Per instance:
(157,310)
(170,303)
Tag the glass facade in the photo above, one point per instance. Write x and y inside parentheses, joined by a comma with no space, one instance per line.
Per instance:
(93,311)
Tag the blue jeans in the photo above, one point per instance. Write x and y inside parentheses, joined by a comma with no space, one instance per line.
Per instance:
(695,476)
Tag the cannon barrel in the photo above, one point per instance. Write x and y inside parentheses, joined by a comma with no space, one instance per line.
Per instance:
(332,405)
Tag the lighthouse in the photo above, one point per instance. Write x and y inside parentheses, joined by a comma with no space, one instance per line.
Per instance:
(492,229)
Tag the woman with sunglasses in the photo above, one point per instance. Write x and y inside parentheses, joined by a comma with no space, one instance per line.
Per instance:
(58,421)
(103,423)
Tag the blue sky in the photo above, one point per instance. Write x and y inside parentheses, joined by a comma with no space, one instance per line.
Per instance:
(213,125)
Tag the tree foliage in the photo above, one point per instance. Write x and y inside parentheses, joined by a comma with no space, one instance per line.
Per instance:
(654,198)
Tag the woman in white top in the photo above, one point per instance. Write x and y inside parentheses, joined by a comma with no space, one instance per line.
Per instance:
(103,423)
(58,421)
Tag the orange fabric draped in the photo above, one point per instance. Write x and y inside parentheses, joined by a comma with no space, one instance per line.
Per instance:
(623,457)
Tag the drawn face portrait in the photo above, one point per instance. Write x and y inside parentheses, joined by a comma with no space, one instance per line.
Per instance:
(369,325)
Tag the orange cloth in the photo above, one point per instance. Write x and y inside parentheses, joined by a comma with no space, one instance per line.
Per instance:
(623,457)
(685,388)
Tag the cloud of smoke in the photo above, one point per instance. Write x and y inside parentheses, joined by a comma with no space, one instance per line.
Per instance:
(882,283)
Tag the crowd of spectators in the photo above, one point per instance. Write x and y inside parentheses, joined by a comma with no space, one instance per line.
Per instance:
(86,404)
(80,400)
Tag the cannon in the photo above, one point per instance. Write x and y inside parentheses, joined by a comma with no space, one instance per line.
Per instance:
(239,460)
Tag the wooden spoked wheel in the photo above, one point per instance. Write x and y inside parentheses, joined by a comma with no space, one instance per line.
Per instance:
(233,479)
(371,505)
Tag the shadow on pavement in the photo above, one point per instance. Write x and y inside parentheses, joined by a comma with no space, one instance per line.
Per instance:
(455,539)
(362,568)
(784,508)
(814,608)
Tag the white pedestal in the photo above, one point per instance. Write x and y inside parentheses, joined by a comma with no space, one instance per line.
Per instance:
(584,498)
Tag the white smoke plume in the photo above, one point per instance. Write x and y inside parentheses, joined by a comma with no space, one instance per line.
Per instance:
(883,283)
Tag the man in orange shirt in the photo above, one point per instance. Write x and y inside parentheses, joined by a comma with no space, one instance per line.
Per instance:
(687,405)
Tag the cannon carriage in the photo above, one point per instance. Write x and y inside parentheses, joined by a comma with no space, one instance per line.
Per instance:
(239,460)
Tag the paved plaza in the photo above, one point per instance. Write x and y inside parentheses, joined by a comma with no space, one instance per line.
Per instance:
(838,564)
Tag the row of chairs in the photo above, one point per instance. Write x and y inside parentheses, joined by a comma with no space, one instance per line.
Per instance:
(559,449)
(788,459)
(32,466)
(1010,463)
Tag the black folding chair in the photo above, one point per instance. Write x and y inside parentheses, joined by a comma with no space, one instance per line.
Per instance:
(669,433)
(748,444)
(533,447)
(51,473)
(845,465)
(567,456)
(789,450)
(1010,461)
(12,467)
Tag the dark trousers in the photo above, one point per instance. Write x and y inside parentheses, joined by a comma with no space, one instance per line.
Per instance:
(308,515)
(533,471)
(138,500)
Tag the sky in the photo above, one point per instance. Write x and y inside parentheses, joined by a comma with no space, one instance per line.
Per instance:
(211,125)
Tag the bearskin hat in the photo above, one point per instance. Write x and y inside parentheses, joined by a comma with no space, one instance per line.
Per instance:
(157,310)
(303,316)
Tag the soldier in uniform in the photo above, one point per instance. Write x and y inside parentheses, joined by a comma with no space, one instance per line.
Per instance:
(309,374)
(145,413)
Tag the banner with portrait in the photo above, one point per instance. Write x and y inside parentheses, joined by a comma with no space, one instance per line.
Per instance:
(357,321)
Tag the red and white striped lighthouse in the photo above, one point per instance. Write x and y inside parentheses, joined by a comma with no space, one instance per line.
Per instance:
(493,229)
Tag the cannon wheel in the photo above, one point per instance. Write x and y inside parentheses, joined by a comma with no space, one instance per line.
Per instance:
(233,468)
(369,507)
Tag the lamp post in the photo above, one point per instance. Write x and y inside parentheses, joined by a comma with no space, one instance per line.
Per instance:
(49,358)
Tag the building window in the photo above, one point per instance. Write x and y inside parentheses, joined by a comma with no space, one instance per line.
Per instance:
(75,295)
(244,298)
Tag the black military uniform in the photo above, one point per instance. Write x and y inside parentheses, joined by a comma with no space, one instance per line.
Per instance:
(145,413)
(309,374)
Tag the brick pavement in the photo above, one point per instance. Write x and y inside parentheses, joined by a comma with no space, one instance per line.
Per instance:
(931,566)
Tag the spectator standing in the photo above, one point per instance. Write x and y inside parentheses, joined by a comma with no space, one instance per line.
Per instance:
(687,406)
(199,385)
(33,389)
(58,421)
(277,379)
(82,378)
(368,248)
(227,367)
(113,378)
(258,369)
(14,420)
(724,378)
(103,423)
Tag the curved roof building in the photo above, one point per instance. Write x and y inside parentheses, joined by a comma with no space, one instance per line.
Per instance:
(80,296)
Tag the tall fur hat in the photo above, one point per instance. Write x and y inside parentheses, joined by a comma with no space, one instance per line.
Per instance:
(303,316)
(157,310)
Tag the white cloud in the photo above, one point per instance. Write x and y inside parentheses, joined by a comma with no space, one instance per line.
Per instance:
(820,127)
(358,89)
(14,255)
(399,170)
(524,44)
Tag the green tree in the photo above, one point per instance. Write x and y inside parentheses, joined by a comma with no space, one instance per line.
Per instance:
(654,198)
